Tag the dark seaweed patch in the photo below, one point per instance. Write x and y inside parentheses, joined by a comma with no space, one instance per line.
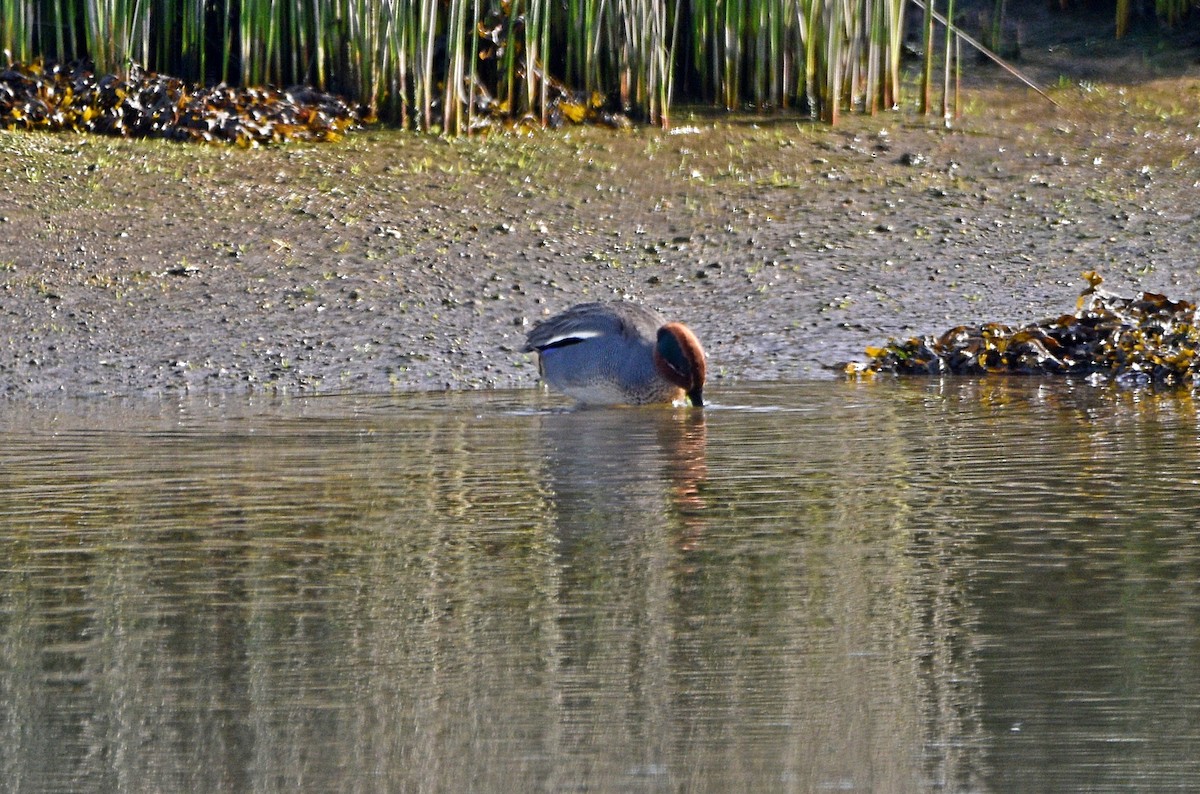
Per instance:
(59,97)
(1147,339)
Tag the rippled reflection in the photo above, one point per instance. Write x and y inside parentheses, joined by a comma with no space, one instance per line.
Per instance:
(900,586)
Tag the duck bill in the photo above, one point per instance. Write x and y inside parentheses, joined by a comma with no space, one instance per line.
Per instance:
(696,397)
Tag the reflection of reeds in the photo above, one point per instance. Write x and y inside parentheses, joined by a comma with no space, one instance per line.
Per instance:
(431,63)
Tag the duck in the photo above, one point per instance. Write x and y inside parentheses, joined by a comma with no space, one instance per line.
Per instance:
(619,353)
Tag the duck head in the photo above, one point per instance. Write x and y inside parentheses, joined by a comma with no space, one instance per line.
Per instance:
(680,359)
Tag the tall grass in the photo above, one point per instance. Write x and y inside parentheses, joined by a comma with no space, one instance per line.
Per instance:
(436,64)
(1169,11)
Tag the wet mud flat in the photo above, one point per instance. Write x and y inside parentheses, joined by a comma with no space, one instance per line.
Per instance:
(391,261)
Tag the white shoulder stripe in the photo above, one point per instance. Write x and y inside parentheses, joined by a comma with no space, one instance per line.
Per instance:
(570,335)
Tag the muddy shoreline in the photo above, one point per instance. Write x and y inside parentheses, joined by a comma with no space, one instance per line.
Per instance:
(396,262)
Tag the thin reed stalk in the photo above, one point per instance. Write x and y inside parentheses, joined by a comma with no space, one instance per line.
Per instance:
(15,29)
(452,117)
(948,62)
(425,78)
(544,83)
(533,43)
(927,68)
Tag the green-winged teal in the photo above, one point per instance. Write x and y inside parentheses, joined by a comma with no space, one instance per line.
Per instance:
(619,353)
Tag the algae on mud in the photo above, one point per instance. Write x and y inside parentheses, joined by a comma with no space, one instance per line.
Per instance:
(56,97)
(1146,339)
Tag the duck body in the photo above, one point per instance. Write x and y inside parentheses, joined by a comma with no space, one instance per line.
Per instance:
(619,354)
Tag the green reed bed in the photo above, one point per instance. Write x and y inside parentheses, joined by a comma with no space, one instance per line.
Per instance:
(458,64)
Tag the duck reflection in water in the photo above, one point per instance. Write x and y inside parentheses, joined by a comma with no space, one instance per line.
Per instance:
(619,475)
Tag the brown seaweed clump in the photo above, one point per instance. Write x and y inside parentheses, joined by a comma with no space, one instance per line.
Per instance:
(1147,339)
(59,97)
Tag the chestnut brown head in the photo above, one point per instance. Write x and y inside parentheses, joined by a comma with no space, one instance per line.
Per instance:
(680,359)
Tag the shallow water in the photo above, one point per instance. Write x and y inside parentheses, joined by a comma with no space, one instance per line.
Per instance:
(899,586)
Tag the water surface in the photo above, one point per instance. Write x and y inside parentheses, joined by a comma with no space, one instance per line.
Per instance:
(899,586)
